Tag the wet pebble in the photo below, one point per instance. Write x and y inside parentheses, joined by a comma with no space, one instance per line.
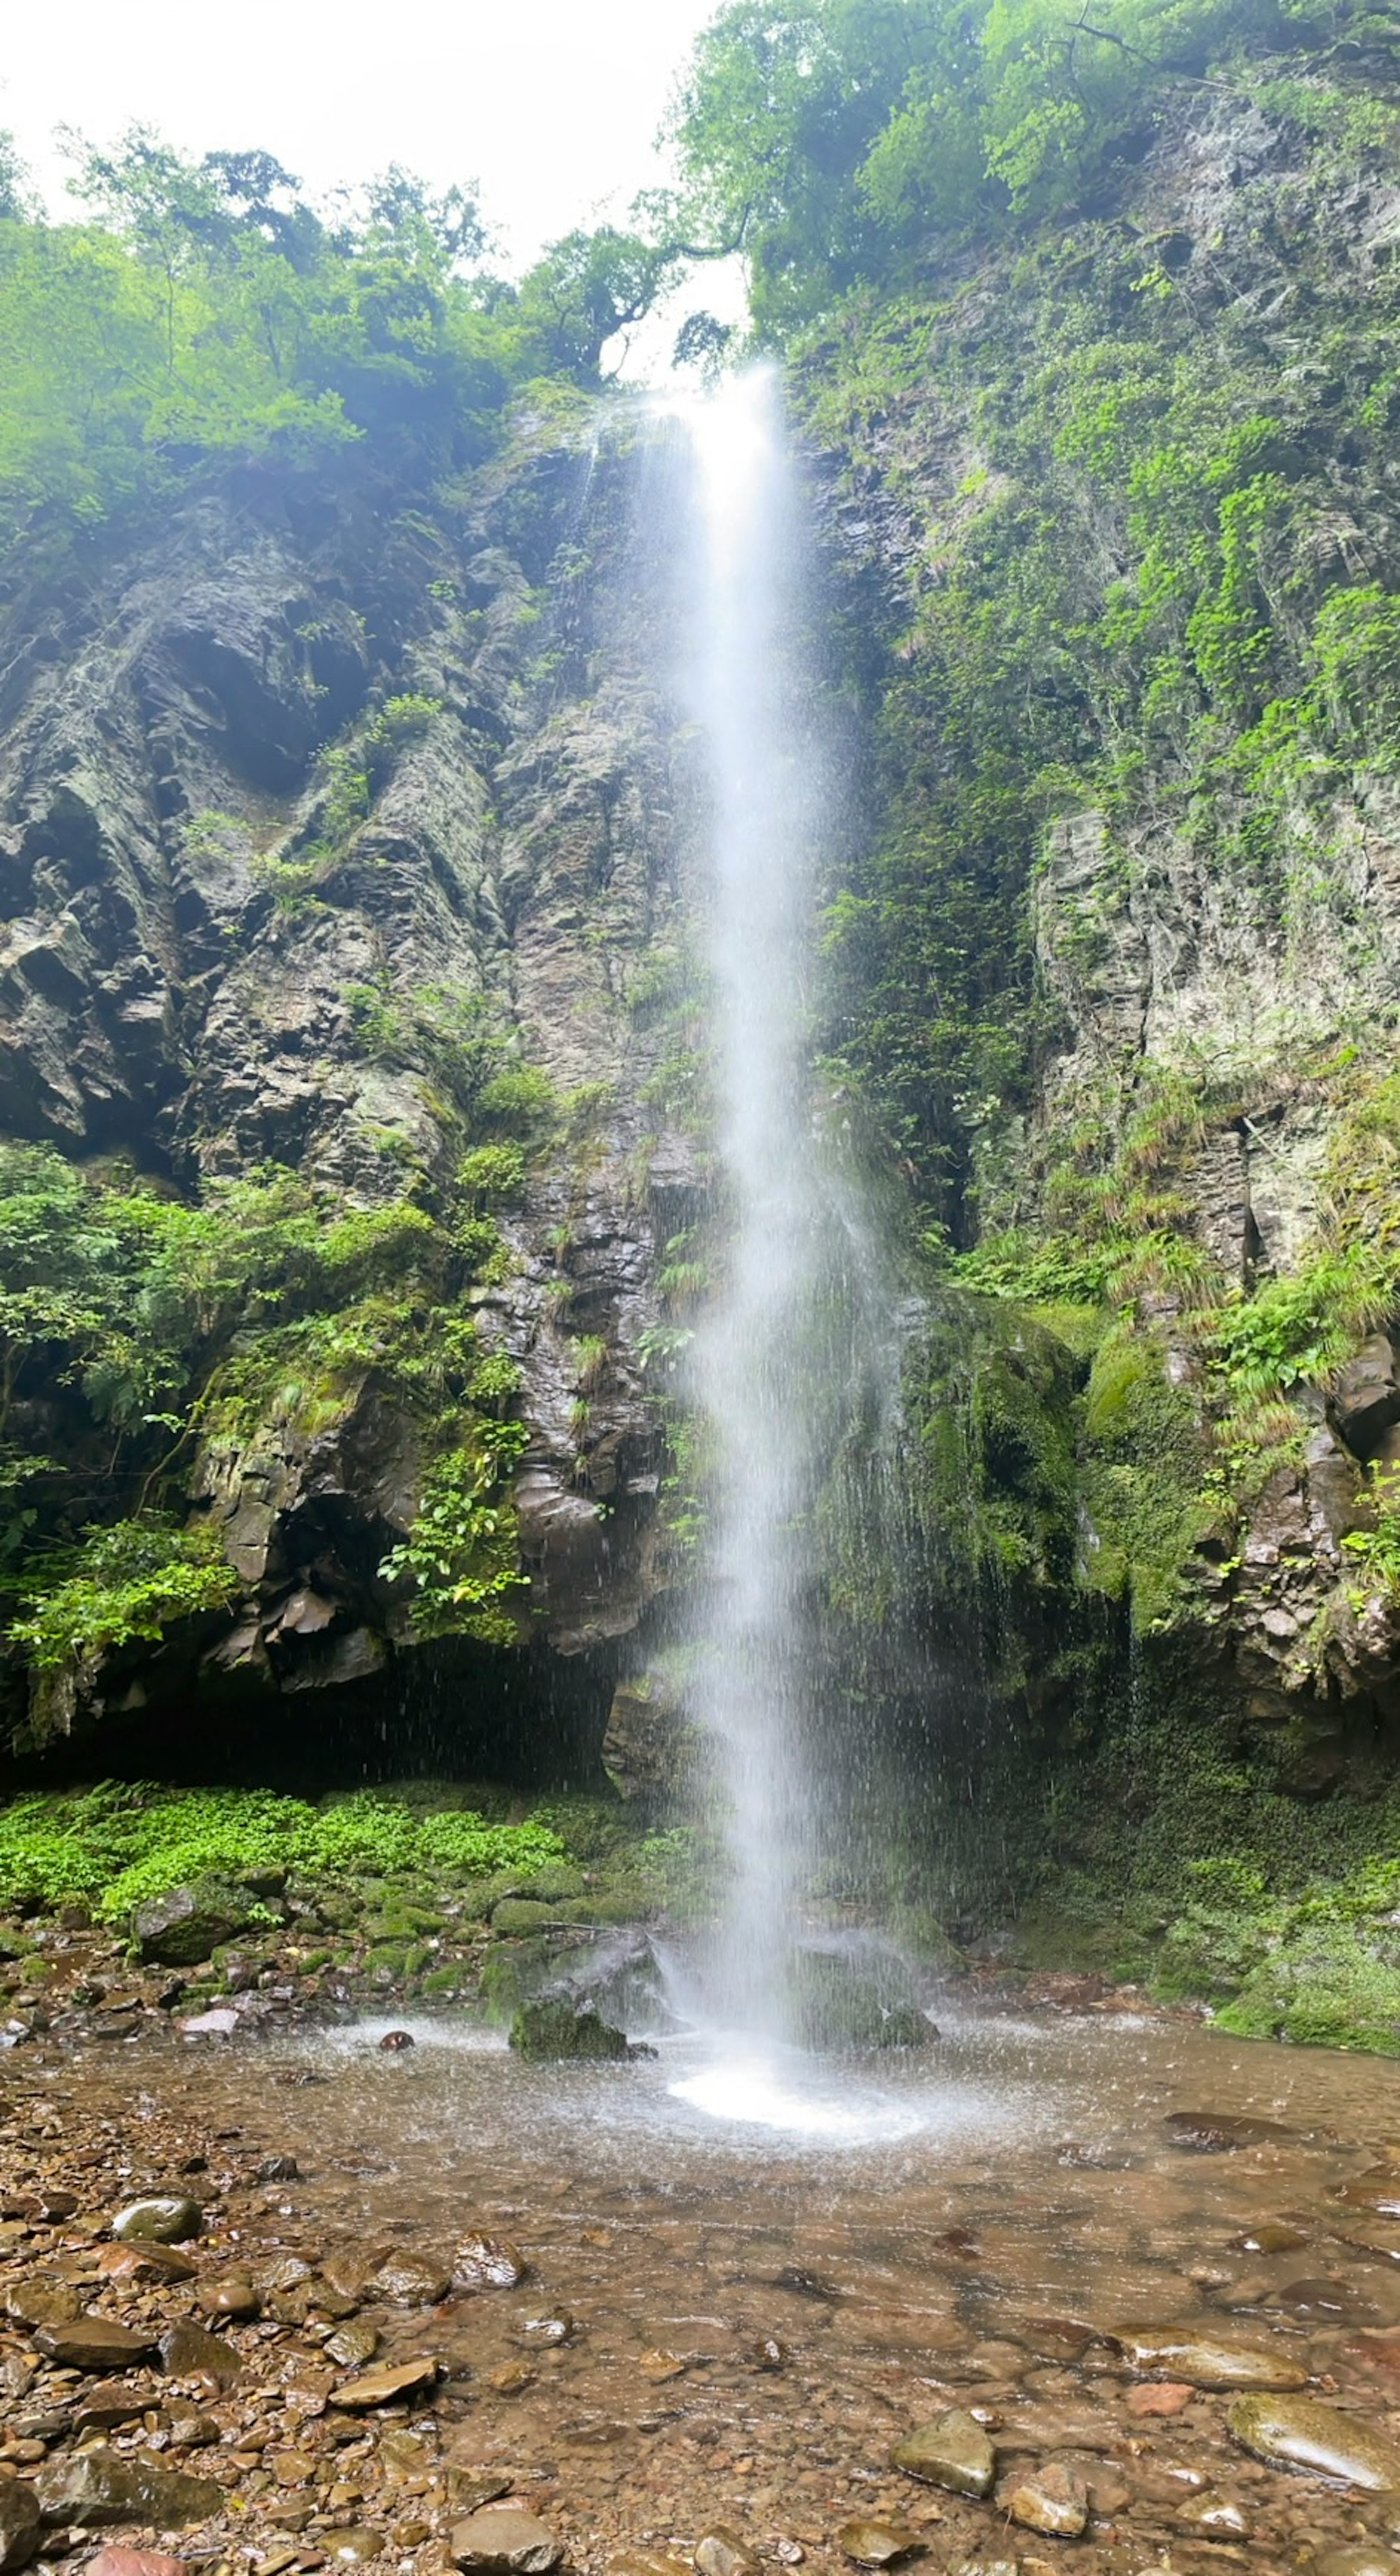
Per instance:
(952,2452)
(722,2553)
(1052,2499)
(19,2522)
(1206,2360)
(876,2544)
(488,2263)
(385,2387)
(1213,2517)
(351,2544)
(1302,2432)
(228,2294)
(503,2540)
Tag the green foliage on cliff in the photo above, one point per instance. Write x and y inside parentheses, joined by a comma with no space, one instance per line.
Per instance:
(142,1329)
(841,141)
(131,1580)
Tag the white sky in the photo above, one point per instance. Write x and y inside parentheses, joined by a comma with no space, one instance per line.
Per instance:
(552,105)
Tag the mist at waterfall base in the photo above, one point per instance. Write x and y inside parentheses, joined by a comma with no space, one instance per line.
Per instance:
(796,1252)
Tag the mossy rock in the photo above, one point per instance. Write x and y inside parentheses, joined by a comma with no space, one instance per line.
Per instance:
(553,2029)
(390,1955)
(445,1981)
(515,1914)
(853,1999)
(921,1937)
(514,1971)
(1329,1991)
(546,1886)
(189,1923)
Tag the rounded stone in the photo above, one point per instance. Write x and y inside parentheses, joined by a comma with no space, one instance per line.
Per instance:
(169,2218)
(952,2452)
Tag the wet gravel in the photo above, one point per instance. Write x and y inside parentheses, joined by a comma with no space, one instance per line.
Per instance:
(428,2285)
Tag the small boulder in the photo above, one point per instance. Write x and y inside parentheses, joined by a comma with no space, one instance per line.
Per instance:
(188,1925)
(488,2263)
(93,2343)
(169,2218)
(876,2544)
(953,2452)
(100,2486)
(189,2351)
(385,2387)
(722,2553)
(1302,2433)
(20,2523)
(1052,2499)
(552,2028)
(502,2540)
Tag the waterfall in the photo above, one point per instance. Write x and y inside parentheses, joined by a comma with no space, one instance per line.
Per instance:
(750,698)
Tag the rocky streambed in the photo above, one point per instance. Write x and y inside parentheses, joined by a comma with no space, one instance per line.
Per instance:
(1102,2293)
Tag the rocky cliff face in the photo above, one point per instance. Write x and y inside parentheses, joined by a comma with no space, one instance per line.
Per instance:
(1124,947)
(252,920)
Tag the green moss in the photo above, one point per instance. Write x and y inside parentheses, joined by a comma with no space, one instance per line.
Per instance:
(1322,1990)
(117,1844)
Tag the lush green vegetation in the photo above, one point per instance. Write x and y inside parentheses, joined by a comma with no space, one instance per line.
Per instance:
(113,1846)
(842,141)
(209,309)
(147,1329)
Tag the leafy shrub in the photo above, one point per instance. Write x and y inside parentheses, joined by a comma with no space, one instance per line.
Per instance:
(131,1580)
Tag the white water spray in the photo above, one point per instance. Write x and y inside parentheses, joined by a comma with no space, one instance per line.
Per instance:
(766,785)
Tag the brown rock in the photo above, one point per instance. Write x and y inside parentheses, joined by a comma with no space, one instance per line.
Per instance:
(502,2540)
(100,2486)
(88,2342)
(953,2452)
(42,2300)
(115,2561)
(189,2351)
(1052,2499)
(413,2280)
(722,2553)
(386,2386)
(1160,2397)
(1213,2517)
(19,2523)
(114,2401)
(488,2263)
(1216,2133)
(876,2544)
(228,2294)
(1206,2360)
(145,2262)
(1302,2433)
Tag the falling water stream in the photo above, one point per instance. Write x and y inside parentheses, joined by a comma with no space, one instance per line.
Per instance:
(754,1686)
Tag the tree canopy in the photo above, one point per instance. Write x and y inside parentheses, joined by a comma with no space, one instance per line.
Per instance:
(209,308)
(834,140)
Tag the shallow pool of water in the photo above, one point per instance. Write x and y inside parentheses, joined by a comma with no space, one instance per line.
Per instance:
(896,2234)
